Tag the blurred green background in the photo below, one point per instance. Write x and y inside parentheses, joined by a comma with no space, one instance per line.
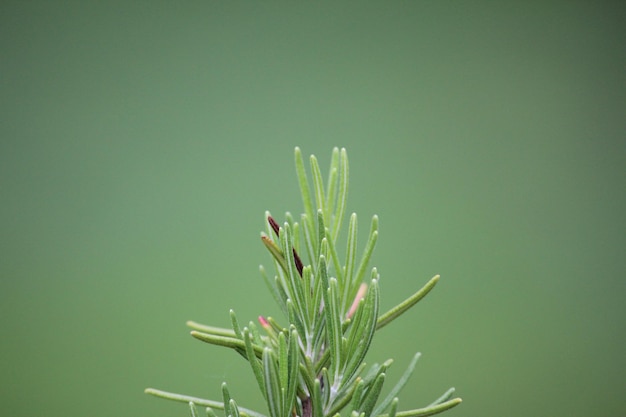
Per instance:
(141,143)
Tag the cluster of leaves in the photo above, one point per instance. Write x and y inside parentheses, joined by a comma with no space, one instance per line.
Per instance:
(314,366)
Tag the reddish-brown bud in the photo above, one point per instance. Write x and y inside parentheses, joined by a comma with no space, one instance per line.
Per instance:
(298,262)
(273,224)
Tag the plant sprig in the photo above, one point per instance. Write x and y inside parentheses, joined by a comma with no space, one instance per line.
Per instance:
(314,366)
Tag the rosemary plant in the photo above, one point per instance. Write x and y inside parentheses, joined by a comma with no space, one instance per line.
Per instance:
(313,366)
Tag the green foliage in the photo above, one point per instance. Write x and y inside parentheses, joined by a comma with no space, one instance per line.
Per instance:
(314,365)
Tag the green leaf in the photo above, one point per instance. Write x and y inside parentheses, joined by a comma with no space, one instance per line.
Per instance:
(275,251)
(332,185)
(294,319)
(316,398)
(333,324)
(344,396)
(296,235)
(318,289)
(318,183)
(320,354)
(309,284)
(369,249)
(398,310)
(192,408)
(294,368)
(446,396)
(327,384)
(321,233)
(372,394)
(275,328)
(357,329)
(304,190)
(311,248)
(234,410)
(428,411)
(342,194)
(350,263)
(307,372)
(398,387)
(275,290)
(376,370)
(357,396)
(283,373)
(335,258)
(393,408)
(199,401)
(281,291)
(256,336)
(348,383)
(289,219)
(257,369)
(370,312)
(235,323)
(218,331)
(236,344)
(226,399)
(271,384)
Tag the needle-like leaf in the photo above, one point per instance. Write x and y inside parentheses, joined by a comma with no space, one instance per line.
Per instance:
(357,396)
(226,399)
(401,308)
(336,262)
(275,290)
(445,397)
(293,366)
(199,401)
(283,367)
(372,394)
(393,408)
(350,263)
(380,408)
(343,193)
(427,411)
(332,184)
(272,384)
(257,369)
(304,190)
(275,251)
(321,233)
(218,331)
(234,410)
(192,408)
(233,343)
(318,184)
(333,321)
(235,323)
(318,406)
(369,322)
(209,412)
(369,249)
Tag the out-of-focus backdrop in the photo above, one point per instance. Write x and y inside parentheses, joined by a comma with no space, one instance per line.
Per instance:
(141,143)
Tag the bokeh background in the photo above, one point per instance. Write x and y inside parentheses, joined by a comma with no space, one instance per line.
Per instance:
(141,143)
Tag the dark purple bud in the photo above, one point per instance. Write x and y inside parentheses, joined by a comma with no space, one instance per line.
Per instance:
(273,224)
(298,262)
